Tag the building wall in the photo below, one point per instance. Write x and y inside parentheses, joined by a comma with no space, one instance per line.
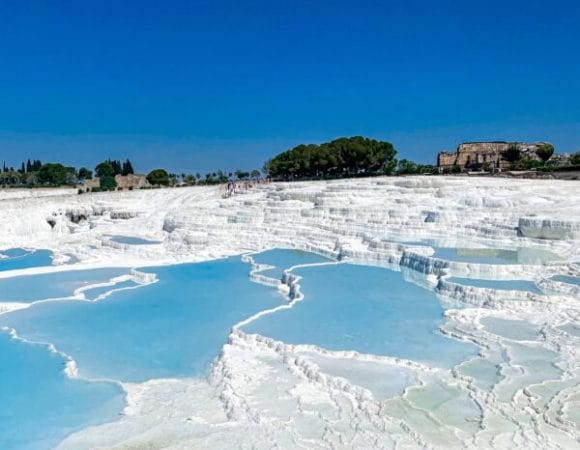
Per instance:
(485,155)
(87,185)
(132,181)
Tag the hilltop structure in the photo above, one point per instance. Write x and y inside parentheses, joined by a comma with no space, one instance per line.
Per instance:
(127,182)
(488,156)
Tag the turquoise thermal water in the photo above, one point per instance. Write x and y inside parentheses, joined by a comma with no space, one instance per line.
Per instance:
(29,288)
(495,256)
(284,259)
(19,258)
(94,293)
(567,279)
(40,404)
(172,328)
(131,240)
(177,326)
(517,330)
(502,285)
(366,309)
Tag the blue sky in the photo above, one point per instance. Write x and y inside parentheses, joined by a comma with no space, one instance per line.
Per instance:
(200,85)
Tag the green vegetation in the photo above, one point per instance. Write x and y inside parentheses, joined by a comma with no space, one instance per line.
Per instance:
(56,174)
(85,174)
(343,157)
(408,167)
(575,159)
(513,153)
(107,183)
(158,177)
(545,152)
(105,169)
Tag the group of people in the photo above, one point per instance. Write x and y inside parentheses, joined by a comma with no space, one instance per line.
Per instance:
(232,186)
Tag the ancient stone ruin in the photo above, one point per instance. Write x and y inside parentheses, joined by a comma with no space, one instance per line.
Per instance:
(488,156)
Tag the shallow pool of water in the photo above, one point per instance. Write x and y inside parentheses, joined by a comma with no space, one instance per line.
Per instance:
(172,328)
(517,330)
(369,310)
(19,258)
(29,288)
(285,258)
(502,285)
(495,255)
(567,279)
(40,404)
(132,240)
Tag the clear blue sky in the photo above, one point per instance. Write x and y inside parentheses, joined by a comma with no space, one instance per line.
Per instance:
(199,85)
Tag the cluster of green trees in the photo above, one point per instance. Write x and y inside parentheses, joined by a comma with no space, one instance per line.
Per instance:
(35,173)
(210,178)
(408,167)
(108,169)
(343,157)
(518,161)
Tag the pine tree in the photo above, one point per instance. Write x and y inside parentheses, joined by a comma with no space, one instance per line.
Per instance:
(127,168)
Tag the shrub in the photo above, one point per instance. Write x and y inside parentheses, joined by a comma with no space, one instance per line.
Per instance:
(158,177)
(108,183)
(513,153)
(545,151)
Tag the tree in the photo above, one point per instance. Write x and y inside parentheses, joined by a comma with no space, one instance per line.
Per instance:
(545,152)
(407,167)
(513,153)
(85,174)
(105,169)
(343,157)
(575,159)
(158,177)
(241,174)
(127,168)
(107,183)
(255,174)
(54,174)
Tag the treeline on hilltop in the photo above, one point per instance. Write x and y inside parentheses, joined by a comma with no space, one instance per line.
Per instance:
(342,157)
(34,173)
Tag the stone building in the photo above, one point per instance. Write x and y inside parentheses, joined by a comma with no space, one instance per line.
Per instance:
(88,185)
(484,155)
(131,181)
(124,182)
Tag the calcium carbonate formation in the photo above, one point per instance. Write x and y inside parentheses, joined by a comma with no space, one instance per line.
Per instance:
(521,391)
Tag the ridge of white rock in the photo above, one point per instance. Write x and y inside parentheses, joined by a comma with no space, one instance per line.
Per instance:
(520,392)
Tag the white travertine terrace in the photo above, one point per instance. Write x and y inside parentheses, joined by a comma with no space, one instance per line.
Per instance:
(518,393)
